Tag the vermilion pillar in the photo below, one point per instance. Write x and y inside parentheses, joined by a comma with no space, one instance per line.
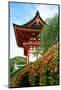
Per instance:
(26,52)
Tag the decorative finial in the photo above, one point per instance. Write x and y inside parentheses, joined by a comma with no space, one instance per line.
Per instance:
(37,13)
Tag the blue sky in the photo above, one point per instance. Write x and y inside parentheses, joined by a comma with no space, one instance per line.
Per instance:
(21,13)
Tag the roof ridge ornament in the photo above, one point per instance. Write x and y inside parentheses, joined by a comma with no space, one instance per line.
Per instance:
(37,13)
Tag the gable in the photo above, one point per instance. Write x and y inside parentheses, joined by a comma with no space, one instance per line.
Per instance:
(36,22)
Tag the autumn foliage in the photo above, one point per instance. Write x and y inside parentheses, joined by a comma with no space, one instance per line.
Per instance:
(44,71)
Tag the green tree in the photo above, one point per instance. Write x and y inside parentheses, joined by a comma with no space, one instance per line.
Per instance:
(49,34)
(38,51)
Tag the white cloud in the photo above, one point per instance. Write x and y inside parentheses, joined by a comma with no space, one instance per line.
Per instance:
(47,11)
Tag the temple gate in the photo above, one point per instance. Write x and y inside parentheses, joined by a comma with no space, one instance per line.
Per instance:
(27,34)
